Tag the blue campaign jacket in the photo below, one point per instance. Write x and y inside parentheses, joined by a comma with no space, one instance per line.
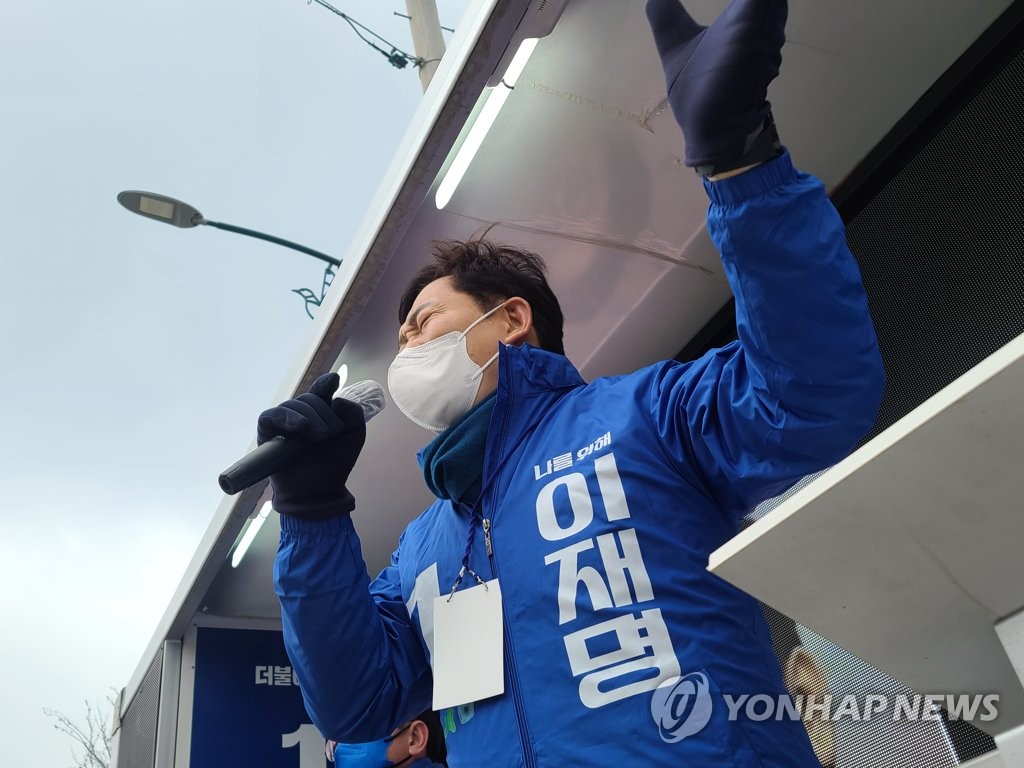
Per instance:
(603,502)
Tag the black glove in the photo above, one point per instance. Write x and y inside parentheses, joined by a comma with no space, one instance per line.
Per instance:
(718,79)
(333,431)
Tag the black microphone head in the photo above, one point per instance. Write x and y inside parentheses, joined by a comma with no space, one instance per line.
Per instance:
(368,394)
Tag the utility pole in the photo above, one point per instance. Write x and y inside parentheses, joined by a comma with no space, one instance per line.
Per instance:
(427,42)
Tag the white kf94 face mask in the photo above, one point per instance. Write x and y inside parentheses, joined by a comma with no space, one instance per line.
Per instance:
(435,384)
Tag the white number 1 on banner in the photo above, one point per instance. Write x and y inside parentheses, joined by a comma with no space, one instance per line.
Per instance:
(311,746)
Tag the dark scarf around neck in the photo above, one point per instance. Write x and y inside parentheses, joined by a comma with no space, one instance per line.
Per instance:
(453,462)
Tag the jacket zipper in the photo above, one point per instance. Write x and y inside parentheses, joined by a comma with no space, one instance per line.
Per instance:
(529,758)
(487,537)
(525,742)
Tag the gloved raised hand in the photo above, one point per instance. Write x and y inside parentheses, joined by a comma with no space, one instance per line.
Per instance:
(333,432)
(718,79)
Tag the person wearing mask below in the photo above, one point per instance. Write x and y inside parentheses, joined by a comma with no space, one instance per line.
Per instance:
(578,517)
(418,743)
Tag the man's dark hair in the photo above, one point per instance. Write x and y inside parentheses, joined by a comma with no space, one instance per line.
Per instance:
(489,273)
(437,750)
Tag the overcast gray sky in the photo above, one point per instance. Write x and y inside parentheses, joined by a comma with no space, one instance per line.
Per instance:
(136,356)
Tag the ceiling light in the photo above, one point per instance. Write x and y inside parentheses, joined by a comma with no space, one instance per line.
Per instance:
(250,535)
(495,100)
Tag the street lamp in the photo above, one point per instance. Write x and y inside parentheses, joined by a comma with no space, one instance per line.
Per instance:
(175,212)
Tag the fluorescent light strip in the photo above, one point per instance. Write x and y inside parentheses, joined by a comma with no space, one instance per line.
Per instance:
(250,535)
(496,98)
(518,63)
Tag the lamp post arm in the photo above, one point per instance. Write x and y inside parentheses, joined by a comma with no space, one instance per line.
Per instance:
(271,239)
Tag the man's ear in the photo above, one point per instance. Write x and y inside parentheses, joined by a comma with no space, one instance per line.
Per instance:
(519,319)
(805,678)
(419,735)
(802,673)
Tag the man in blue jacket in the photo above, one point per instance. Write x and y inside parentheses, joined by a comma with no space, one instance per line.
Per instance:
(418,743)
(587,511)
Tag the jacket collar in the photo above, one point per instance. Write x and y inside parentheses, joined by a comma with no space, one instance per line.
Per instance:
(527,370)
(530,381)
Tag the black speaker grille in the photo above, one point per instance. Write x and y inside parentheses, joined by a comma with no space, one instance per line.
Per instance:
(136,745)
(941,248)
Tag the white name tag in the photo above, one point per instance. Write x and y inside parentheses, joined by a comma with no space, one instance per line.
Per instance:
(468,646)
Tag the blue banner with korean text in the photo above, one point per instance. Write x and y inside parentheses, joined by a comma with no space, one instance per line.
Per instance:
(247,708)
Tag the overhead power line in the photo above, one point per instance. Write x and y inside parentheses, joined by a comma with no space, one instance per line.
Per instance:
(407,16)
(395,56)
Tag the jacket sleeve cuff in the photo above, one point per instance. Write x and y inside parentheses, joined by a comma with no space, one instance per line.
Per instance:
(753,183)
(321,526)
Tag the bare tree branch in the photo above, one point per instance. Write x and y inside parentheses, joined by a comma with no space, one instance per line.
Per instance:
(92,739)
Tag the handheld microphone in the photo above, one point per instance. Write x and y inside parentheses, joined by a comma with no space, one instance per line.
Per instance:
(278,452)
